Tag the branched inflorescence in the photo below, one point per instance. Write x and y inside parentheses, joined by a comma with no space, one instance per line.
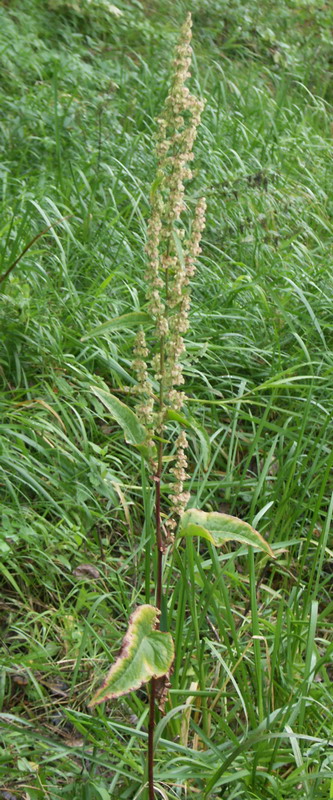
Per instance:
(171,264)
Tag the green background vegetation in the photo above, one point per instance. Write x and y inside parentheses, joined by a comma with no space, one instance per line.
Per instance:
(80,89)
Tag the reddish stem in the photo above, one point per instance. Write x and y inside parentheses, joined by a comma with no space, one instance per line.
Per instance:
(159,541)
(159,544)
(151,726)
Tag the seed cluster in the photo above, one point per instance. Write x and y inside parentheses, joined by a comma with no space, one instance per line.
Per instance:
(171,262)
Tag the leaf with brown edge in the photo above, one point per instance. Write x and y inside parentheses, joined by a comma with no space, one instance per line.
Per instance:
(146,653)
(220,528)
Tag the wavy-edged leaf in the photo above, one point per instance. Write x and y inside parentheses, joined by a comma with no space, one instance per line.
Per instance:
(135,432)
(146,653)
(220,528)
(191,422)
(131,320)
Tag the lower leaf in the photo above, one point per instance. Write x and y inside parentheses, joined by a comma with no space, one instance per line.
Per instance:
(146,653)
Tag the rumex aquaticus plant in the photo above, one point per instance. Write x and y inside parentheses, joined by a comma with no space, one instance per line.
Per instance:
(172,251)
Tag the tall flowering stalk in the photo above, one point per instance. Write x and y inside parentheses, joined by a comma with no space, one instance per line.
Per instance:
(171,265)
(147,652)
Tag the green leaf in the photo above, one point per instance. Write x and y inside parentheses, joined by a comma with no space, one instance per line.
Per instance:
(134,431)
(146,653)
(191,422)
(220,528)
(129,321)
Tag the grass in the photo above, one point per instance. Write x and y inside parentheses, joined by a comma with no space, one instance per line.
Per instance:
(249,714)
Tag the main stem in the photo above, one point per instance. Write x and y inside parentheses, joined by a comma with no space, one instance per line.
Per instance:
(151,726)
(159,545)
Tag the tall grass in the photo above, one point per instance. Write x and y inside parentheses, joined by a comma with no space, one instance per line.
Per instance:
(249,713)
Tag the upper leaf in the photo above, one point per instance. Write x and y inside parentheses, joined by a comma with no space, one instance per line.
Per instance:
(134,431)
(220,528)
(146,653)
(133,318)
